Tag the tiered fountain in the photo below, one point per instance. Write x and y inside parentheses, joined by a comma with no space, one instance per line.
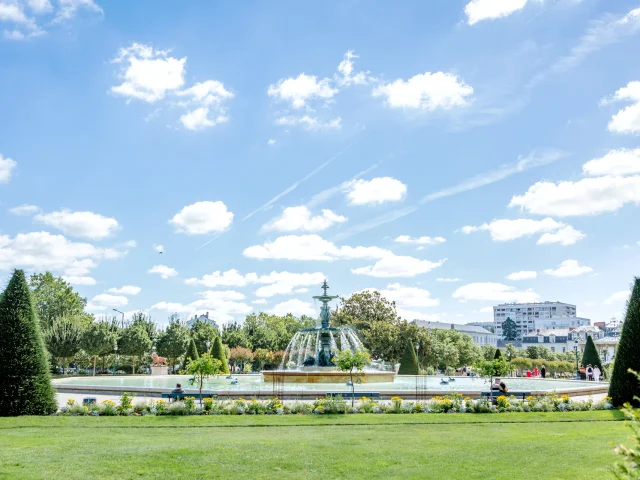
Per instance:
(309,355)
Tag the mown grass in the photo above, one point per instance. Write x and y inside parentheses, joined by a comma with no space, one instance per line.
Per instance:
(576,445)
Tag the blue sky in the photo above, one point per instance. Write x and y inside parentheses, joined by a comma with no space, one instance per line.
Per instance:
(453,154)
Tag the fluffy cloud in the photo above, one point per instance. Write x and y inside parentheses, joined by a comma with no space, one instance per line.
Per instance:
(347,75)
(495,292)
(309,122)
(271,141)
(152,75)
(298,91)
(230,278)
(522,275)
(260,301)
(45,251)
(569,268)
(616,162)
(7,165)
(164,271)
(300,218)
(79,280)
(447,280)
(24,209)
(126,290)
(295,307)
(222,305)
(589,196)
(79,224)
(627,120)
(565,236)
(427,91)
(110,301)
(621,296)
(202,217)
(409,297)
(375,191)
(420,240)
(158,248)
(398,266)
(478,10)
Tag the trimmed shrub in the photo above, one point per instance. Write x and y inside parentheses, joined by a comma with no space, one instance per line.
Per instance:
(25,382)
(498,354)
(409,362)
(217,352)
(590,355)
(192,353)
(624,385)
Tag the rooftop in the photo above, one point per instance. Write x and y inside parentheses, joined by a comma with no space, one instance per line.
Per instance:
(460,327)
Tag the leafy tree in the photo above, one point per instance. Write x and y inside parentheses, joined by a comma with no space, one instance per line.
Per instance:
(144,320)
(590,356)
(498,367)
(624,385)
(25,385)
(234,335)
(488,352)
(135,342)
(509,330)
(498,354)
(240,356)
(54,298)
(173,341)
(63,338)
(217,352)
(98,340)
(261,355)
(353,363)
(201,332)
(409,362)
(510,351)
(202,368)
(192,352)
(521,363)
(532,352)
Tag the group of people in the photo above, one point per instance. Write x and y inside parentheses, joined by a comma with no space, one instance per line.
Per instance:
(591,373)
(542,372)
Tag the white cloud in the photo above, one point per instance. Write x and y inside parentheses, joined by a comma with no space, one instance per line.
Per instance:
(298,91)
(565,236)
(346,70)
(522,275)
(408,297)
(25,26)
(588,196)
(616,162)
(164,271)
(271,141)
(427,91)
(69,8)
(626,120)
(420,240)
(24,209)
(126,290)
(496,292)
(447,280)
(221,305)
(375,191)
(202,217)
(208,93)
(45,251)
(621,296)
(230,278)
(295,307)
(398,266)
(199,119)
(130,244)
(486,310)
(40,6)
(79,224)
(309,122)
(504,230)
(158,248)
(172,307)
(260,301)
(478,10)
(7,165)
(110,301)
(569,268)
(300,218)
(79,280)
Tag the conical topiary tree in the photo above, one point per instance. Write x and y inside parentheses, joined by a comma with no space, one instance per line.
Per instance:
(624,385)
(590,356)
(409,361)
(217,352)
(498,354)
(25,381)
(192,353)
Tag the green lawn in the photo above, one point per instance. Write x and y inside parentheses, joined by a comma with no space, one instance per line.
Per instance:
(575,445)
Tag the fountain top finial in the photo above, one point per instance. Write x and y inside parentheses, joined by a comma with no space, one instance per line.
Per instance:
(325,286)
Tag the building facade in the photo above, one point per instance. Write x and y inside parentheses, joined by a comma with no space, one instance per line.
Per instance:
(479,335)
(530,317)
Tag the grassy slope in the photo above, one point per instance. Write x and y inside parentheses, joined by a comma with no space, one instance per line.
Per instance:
(507,446)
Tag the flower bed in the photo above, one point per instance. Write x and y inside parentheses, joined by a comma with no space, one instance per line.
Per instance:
(453,403)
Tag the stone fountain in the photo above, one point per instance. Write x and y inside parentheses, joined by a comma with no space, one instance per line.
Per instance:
(309,355)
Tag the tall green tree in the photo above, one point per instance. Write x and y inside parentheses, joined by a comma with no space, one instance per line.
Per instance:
(409,362)
(488,352)
(173,342)
(192,352)
(144,320)
(203,332)
(624,385)
(217,352)
(63,338)
(498,354)
(509,330)
(233,335)
(53,298)
(98,340)
(25,385)
(135,342)
(590,356)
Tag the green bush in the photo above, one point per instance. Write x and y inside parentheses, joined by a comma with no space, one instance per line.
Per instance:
(25,381)
(624,385)
(409,362)
(590,356)
(217,352)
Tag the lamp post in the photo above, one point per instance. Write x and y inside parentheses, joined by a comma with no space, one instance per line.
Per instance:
(115,356)
(575,349)
(418,372)
(122,313)
(208,344)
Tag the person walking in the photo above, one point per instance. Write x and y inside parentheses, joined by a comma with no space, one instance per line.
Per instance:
(596,373)
(589,372)
(543,371)
(536,372)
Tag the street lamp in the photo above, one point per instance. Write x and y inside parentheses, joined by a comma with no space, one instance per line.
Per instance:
(115,356)
(208,344)
(418,372)
(122,313)
(575,348)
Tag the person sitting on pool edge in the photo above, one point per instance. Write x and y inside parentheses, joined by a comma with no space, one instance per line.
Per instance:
(499,385)
(178,389)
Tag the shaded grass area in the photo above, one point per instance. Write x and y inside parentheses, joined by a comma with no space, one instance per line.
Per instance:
(576,445)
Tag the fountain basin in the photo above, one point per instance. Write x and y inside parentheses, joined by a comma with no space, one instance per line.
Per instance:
(324,375)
